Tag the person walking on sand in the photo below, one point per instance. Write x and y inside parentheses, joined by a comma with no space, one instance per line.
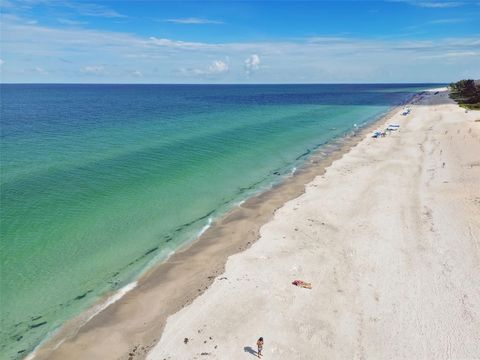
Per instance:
(260,346)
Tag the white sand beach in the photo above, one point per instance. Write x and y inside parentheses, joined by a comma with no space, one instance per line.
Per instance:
(389,237)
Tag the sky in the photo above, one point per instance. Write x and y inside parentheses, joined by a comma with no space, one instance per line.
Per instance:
(72,41)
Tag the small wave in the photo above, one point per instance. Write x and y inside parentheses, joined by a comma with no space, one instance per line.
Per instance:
(58,344)
(205,228)
(445,88)
(164,255)
(112,299)
(32,355)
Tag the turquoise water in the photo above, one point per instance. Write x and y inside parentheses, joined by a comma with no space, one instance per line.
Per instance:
(97,181)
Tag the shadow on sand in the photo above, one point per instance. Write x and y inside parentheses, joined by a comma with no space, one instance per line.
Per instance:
(250,350)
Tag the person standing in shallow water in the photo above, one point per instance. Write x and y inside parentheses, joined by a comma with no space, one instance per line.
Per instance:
(260,346)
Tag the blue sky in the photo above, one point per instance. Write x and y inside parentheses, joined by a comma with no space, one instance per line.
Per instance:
(239,41)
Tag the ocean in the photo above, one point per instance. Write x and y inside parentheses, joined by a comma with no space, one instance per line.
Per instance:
(98,182)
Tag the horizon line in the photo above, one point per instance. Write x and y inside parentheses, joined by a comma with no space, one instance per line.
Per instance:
(223,84)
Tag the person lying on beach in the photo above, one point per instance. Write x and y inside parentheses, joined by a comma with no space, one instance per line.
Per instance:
(260,346)
(302,284)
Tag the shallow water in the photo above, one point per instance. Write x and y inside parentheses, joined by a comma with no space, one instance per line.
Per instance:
(98,181)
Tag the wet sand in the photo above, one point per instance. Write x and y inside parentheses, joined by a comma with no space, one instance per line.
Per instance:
(131,326)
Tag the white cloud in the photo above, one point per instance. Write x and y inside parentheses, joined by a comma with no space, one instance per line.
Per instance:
(88,9)
(137,73)
(177,44)
(93,69)
(435,22)
(2,62)
(40,70)
(71,22)
(217,67)
(252,63)
(113,56)
(188,45)
(327,39)
(452,54)
(65,6)
(434,4)
(194,21)
(446,21)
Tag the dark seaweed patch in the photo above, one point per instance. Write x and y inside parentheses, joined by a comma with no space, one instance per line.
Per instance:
(35,318)
(183,226)
(321,144)
(252,186)
(205,216)
(81,296)
(303,155)
(151,250)
(198,219)
(33,326)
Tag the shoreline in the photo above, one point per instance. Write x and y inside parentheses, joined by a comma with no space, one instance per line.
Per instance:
(389,239)
(252,213)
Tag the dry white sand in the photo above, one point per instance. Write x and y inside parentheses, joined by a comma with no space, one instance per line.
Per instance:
(389,238)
